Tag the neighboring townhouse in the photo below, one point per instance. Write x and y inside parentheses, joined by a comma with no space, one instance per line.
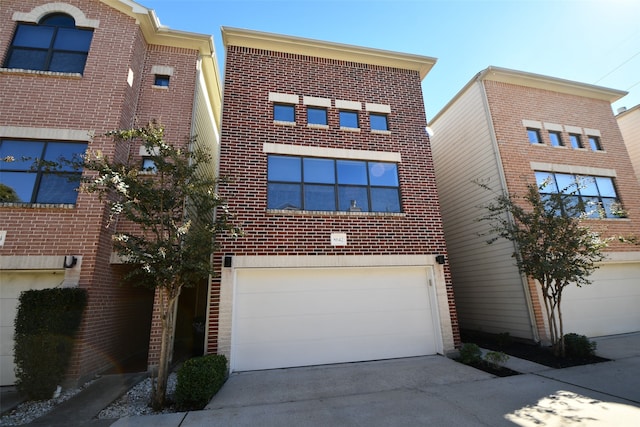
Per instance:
(508,129)
(331,178)
(629,123)
(73,70)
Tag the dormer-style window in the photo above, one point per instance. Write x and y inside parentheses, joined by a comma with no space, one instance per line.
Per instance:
(54,44)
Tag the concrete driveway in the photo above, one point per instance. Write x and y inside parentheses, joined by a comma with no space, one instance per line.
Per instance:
(429,391)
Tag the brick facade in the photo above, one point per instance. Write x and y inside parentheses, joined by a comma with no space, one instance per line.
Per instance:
(247,123)
(117,319)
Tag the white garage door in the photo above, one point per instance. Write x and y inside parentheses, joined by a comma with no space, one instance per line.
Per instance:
(300,317)
(608,306)
(11,285)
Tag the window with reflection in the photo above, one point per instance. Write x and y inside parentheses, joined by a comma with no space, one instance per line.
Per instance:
(584,195)
(40,171)
(320,184)
(54,44)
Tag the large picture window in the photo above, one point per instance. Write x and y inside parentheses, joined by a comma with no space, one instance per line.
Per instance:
(595,196)
(319,184)
(40,171)
(55,44)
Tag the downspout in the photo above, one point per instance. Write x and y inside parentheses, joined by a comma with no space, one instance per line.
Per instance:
(503,183)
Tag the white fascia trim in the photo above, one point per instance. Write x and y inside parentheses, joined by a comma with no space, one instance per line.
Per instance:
(348,105)
(532,124)
(573,169)
(334,153)
(334,261)
(46,133)
(573,129)
(377,108)
(316,102)
(285,98)
(163,70)
(553,126)
(621,257)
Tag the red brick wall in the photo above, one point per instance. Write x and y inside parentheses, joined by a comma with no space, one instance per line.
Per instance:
(511,104)
(101,100)
(247,123)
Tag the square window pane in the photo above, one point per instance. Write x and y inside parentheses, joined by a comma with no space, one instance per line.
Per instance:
(316,116)
(33,36)
(555,139)
(284,196)
(354,199)
(546,182)
(575,141)
(591,207)
(58,188)
(612,208)
(161,80)
(320,171)
(534,136)
(282,168)
(18,185)
(73,39)
(283,113)
(27,59)
(348,119)
(67,62)
(566,183)
(605,187)
(385,200)
(587,186)
(148,165)
(378,121)
(67,156)
(319,198)
(352,172)
(25,154)
(383,174)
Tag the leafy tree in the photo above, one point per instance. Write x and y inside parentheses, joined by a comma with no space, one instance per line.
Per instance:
(8,194)
(552,246)
(177,214)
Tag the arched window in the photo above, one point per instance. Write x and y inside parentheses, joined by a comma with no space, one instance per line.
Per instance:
(54,44)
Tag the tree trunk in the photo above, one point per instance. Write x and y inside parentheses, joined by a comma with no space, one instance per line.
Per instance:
(159,394)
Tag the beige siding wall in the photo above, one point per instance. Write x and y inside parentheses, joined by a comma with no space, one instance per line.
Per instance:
(204,129)
(629,123)
(488,288)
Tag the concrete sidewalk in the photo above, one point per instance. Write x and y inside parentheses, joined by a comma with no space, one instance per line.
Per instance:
(429,390)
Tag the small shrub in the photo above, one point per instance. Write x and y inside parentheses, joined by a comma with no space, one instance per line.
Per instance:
(496,358)
(470,353)
(46,323)
(578,346)
(199,379)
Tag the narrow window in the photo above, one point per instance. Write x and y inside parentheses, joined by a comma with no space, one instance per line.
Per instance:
(54,44)
(284,113)
(556,139)
(161,80)
(378,121)
(148,165)
(316,116)
(534,136)
(576,141)
(594,143)
(348,119)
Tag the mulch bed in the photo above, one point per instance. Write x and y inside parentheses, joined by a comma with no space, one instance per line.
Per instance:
(523,350)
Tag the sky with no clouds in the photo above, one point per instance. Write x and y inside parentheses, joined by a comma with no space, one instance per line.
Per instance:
(589,41)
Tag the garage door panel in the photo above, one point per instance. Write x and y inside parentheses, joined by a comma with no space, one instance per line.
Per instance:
(297,317)
(608,306)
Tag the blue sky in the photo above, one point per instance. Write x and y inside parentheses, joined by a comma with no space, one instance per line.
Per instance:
(589,41)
